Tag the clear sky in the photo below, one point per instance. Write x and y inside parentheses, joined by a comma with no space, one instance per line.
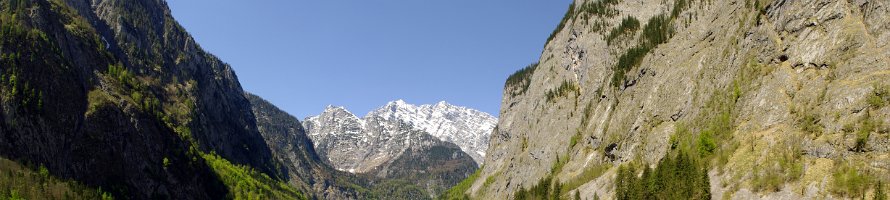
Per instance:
(303,55)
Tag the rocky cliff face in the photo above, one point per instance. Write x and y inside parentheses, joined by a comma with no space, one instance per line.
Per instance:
(776,99)
(115,94)
(292,148)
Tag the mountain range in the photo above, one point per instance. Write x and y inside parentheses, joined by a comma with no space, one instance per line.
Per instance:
(630,99)
(428,143)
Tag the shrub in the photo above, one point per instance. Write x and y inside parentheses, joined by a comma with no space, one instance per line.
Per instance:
(521,79)
(628,25)
(630,59)
(545,189)
(589,173)
(784,165)
(657,31)
(706,144)
(570,14)
(246,183)
(19,181)
(850,181)
(563,90)
(864,132)
(879,97)
(677,176)
(601,8)
(458,191)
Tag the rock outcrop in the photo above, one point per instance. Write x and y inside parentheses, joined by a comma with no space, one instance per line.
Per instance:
(779,99)
(115,94)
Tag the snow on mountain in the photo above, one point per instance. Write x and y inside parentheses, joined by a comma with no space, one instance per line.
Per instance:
(359,145)
(467,128)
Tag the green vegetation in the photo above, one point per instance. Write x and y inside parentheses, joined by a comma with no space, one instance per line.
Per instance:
(630,59)
(657,31)
(398,189)
(459,190)
(559,164)
(807,121)
(589,173)
(545,189)
(781,166)
(246,183)
(879,97)
(136,90)
(23,45)
(488,181)
(851,181)
(521,79)
(629,25)
(682,173)
(563,90)
(600,8)
(866,127)
(570,14)
(706,144)
(19,182)
(679,176)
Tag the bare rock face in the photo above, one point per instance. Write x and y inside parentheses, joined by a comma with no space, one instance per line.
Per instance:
(293,149)
(794,90)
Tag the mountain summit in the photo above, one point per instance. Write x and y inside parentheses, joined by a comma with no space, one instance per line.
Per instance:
(467,128)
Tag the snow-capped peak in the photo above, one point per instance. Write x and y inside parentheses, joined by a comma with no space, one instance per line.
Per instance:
(467,128)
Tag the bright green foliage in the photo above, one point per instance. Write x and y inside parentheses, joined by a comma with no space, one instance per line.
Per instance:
(246,183)
(784,164)
(563,90)
(706,144)
(879,97)
(678,176)
(629,25)
(166,162)
(589,173)
(21,182)
(865,129)
(488,181)
(138,92)
(850,181)
(521,79)
(459,190)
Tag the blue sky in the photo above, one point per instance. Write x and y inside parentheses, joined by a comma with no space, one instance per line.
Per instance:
(304,55)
